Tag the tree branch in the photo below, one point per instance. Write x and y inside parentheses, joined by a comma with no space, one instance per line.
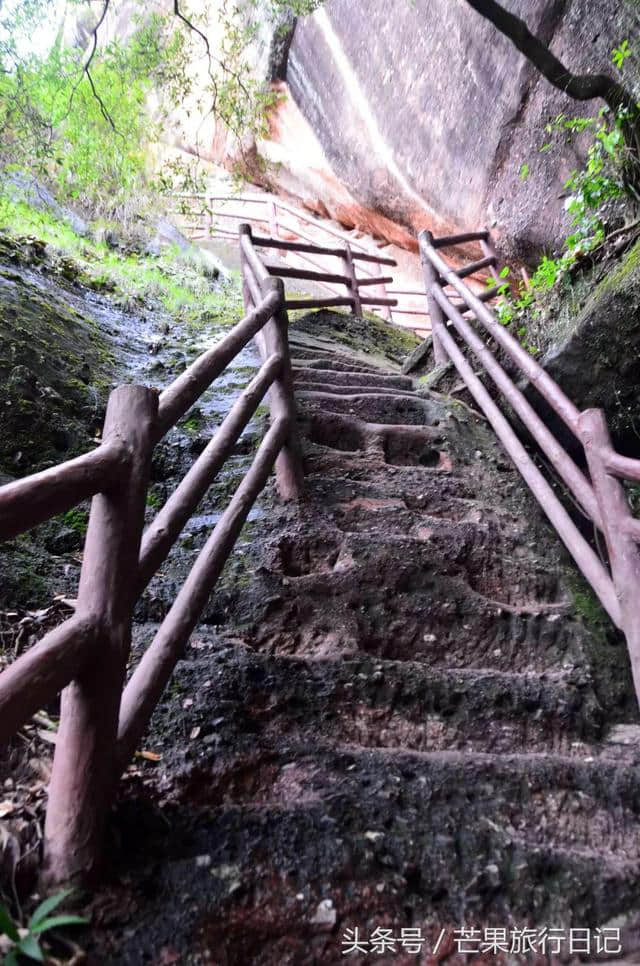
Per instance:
(87,73)
(581,87)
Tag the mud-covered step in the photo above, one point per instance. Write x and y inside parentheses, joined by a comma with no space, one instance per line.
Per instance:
(420,489)
(397,409)
(311,360)
(251,846)
(303,376)
(250,698)
(309,348)
(308,389)
(493,559)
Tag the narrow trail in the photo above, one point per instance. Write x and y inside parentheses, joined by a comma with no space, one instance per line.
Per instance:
(396,719)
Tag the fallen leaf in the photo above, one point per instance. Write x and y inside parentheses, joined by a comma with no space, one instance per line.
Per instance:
(150,755)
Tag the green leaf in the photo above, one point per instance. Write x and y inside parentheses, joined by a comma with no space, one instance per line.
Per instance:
(621,53)
(47,906)
(54,921)
(505,272)
(7,925)
(30,946)
(524,172)
(11,959)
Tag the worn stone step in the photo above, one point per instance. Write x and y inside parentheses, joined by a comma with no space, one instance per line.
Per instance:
(393,410)
(412,831)
(312,361)
(353,378)
(303,389)
(384,704)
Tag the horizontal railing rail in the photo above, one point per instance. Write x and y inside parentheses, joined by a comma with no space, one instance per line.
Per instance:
(86,657)
(284,223)
(255,272)
(595,487)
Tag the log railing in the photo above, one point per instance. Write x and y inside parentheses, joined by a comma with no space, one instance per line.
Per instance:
(257,274)
(595,483)
(102,719)
(284,224)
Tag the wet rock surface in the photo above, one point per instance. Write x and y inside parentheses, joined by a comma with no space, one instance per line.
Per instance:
(398,710)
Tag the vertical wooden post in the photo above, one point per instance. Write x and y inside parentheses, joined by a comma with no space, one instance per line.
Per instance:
(431,278)
(624,554)
(488,250)
(385,309)
(289,471)
(245,229)
(273,218)
(249,301)
(350,271)
(82,780)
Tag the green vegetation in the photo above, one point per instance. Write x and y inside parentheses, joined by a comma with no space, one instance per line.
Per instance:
(27,941)
(84,119)
(600,199)
(82,123)
(77,520)
(176,281)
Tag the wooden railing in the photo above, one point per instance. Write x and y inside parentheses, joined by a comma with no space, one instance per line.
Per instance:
(256,274)
(207,216)
(102,720)
(595,485)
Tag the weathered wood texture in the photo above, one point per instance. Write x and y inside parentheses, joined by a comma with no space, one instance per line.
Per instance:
(87,655)
(622,548)
(81,780)
(152,674)
(28,502)
(352,281)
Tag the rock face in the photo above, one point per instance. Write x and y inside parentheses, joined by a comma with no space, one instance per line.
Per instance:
(395,117)
(598,363)
(427,114)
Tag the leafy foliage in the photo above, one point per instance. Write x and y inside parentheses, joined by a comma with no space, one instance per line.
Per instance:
(86,120)
(621,53)
(88,134)
(27,941)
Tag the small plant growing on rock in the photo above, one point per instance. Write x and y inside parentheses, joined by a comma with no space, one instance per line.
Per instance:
(26,942)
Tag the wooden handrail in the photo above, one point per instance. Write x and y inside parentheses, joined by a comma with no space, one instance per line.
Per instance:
(168,523)
(33,679)
(87,655)
(288,246)
(26,503)
(450,241)
(541,489)
(545,385)
(282,271)
(601,497)
(188,387)
(560,459)
(154,670)
(312,303)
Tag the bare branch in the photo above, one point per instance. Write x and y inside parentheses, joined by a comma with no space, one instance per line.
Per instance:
(581,87)
(87,73)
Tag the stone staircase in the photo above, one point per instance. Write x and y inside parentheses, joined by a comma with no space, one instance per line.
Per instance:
(410,715)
